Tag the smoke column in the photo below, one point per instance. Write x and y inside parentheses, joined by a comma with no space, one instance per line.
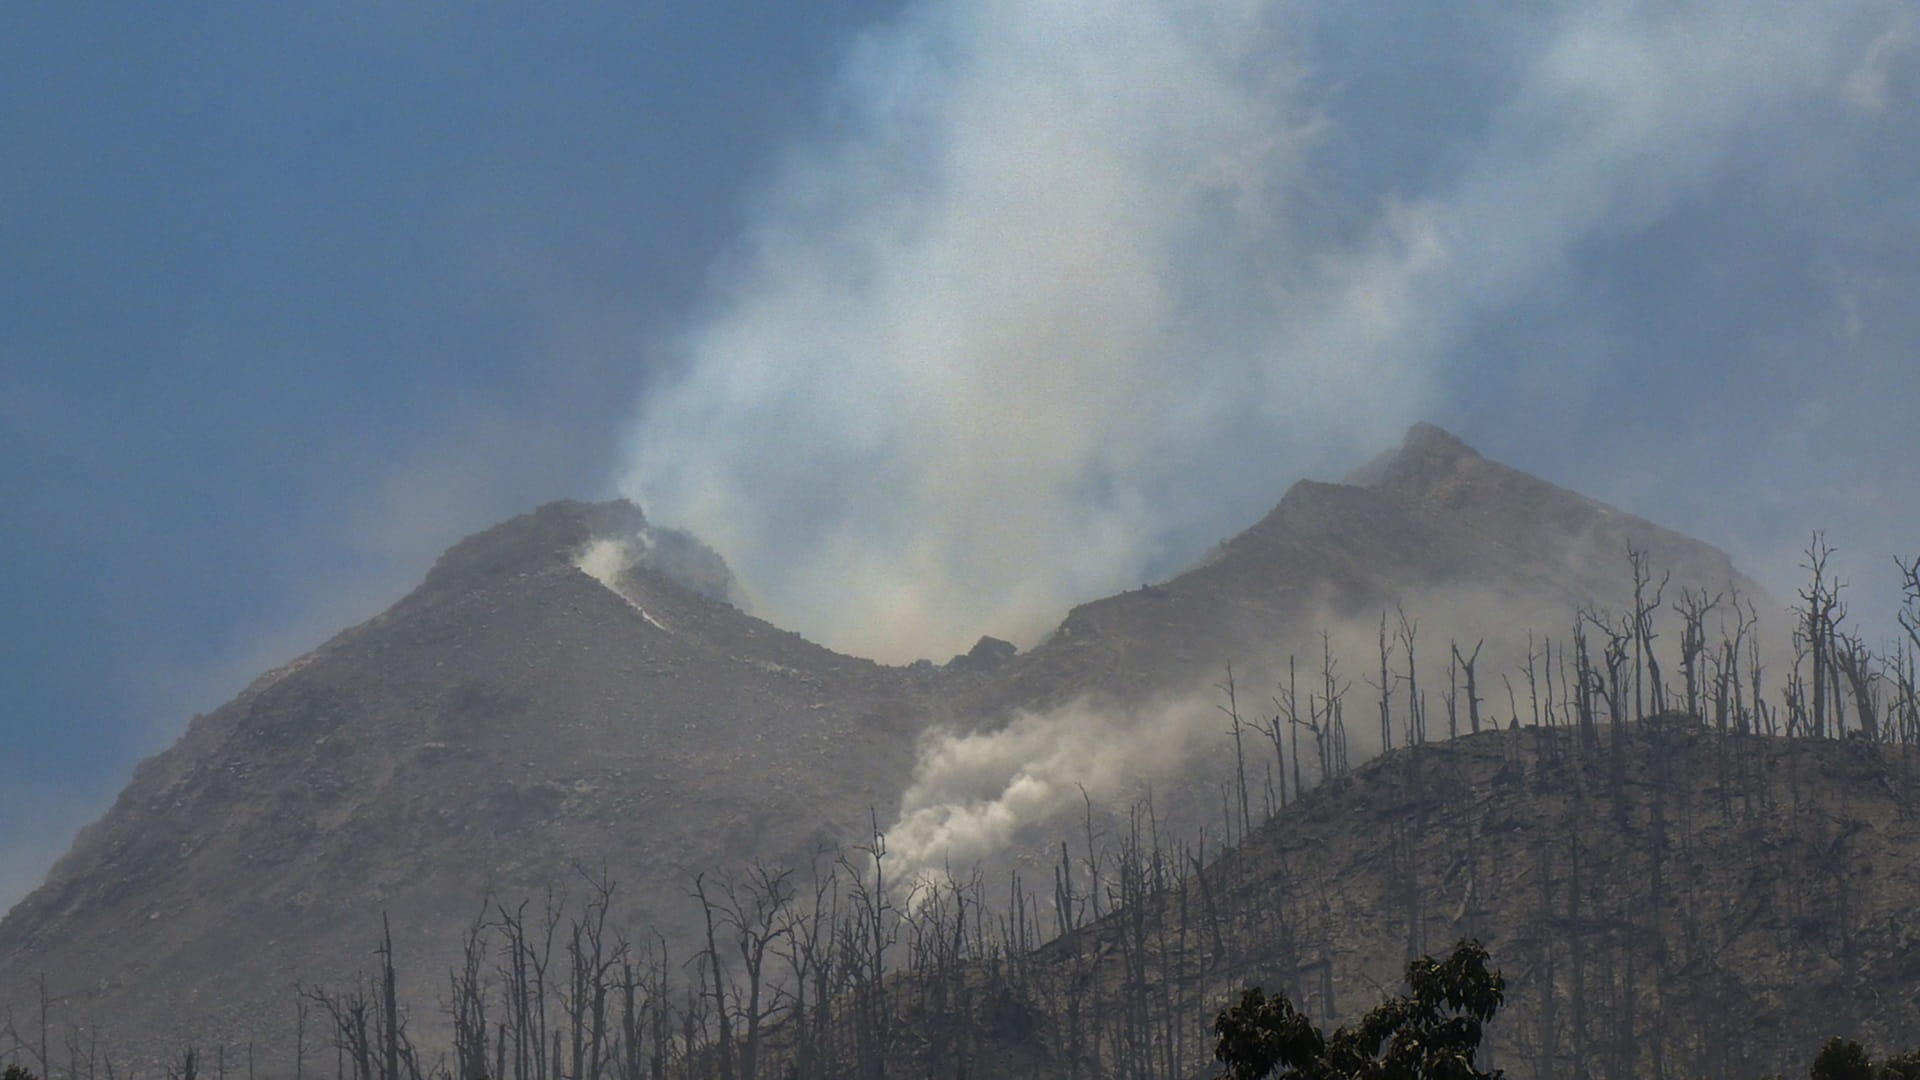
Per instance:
(979,343)
(1065,292)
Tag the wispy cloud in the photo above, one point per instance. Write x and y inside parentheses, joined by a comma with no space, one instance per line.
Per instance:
(1867,86)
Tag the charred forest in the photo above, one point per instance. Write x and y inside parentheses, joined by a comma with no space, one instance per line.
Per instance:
(1689,860)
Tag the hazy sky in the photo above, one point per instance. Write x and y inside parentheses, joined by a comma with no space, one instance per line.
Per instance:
(935,317)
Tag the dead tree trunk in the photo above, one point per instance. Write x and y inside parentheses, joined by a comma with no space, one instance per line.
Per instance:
(1819,613)
(1473,690)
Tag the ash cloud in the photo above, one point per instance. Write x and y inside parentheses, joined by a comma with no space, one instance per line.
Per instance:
(1062,294)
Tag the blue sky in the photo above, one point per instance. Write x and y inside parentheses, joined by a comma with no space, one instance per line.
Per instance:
(934,317)
(298,294)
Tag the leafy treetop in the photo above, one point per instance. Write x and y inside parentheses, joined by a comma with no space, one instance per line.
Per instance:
(1429,1033)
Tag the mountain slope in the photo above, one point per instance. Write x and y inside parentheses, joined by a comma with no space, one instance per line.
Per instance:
(1725,907)
(1473,547)
(514,722)
(510,720)
(1122,701)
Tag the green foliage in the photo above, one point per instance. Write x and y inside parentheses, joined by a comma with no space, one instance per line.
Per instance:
(1430,1033)
(1841,1059)
(1844,1059)
(17,1072)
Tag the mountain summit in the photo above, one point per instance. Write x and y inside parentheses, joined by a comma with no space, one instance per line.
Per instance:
(1473,548)
(509,724)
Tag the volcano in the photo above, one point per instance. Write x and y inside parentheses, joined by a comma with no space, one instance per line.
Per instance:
(575,695)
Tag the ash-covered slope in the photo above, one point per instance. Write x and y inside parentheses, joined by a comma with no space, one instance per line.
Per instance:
(1122,703)
(516,720)
(1672,902)
(511,720)
(1470,547)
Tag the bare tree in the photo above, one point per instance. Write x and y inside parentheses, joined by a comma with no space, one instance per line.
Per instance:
(1473,693)
(716,988)
(759,912)
(1533,683)
(1694,607)
(188,1066)
(1332,694)
(1385,686)
(868,934)
(1585,686)
(467,1002)
(389,1005)
(1909,614)
(1856,664)
(592,957)
(1235,729)
(1646,663)
(353,1037)
(1820,612)
(299,1039)
(1406,631)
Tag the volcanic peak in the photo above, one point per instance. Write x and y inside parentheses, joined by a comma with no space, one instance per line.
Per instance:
(554,533)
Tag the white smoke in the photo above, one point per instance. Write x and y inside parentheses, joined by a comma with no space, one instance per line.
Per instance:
(1066,294)
(1019,789)
(977,345)
(605,559)
(972,792)
(669,552)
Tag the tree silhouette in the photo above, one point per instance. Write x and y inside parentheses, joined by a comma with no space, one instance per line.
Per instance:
(1841,1059)
(1430,1033)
